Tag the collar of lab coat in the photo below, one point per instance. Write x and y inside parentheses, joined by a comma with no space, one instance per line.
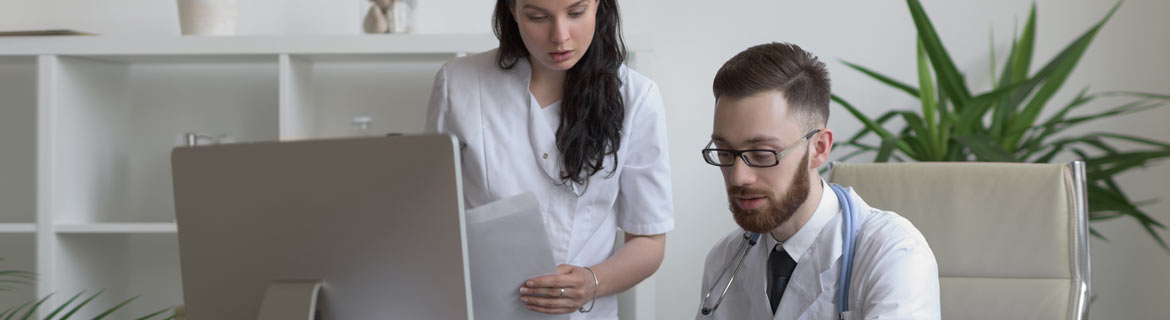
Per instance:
(542,137)
(823,259)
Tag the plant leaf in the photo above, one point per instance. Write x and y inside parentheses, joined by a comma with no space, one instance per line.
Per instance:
(1043,132)
(881,121)
(1147,95)
(1051,128)
(869,123)
(885,150)
(991,54)
(985,149)
(155,314)
(6,311)
(1022,57)
(1098,234)
(930,134)
(1064,63)
(1118,163)
(18,274)
(1117,111)
(28,314)
(64,305)
(1116,201)
(17,310)
(944,67)
(1016,70)
(1111,201)
(109,311)
(1134,139)
(920,140)
(901,86)
(970,119)
(82,304)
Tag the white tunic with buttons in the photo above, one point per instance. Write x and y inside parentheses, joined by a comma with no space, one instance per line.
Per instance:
(509,147)
(895,275)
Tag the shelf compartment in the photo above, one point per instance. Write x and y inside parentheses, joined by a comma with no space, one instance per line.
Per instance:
(18,139)
(124,265)
(322,93)
(18,252)
(123,115)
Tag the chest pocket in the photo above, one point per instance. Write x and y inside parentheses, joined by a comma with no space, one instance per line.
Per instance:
(822,308)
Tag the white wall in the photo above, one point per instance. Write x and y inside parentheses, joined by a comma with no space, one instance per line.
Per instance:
(691,39)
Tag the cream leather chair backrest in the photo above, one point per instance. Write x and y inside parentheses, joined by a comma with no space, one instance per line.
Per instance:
(1011,239)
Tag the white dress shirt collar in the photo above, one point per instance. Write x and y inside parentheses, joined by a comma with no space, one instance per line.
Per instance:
(800,242)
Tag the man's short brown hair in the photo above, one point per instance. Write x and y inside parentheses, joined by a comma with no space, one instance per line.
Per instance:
(785,67)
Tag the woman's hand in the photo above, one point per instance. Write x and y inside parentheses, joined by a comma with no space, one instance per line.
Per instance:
(565,292)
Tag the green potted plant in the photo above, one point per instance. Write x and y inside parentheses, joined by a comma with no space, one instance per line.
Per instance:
(1004,124)
(67,310)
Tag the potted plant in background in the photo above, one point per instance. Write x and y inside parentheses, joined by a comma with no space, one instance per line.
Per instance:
(1005,124)
(67,310)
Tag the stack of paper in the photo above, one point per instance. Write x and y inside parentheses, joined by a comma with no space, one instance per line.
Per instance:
(507,244)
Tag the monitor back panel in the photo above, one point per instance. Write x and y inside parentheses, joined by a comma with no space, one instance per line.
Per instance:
(378,220)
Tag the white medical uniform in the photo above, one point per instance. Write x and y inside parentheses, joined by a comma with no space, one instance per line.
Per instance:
(509,147)
(895,275)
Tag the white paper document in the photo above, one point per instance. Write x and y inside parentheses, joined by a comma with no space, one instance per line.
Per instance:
(507,244)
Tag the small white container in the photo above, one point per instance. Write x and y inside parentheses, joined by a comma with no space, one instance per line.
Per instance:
(208,17)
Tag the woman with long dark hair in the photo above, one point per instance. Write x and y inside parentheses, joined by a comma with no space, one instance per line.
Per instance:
(554,111)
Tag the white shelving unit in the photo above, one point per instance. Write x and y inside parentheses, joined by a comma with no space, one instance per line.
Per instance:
(87,125)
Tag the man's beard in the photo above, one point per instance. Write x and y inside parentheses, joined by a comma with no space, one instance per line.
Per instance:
(773,213)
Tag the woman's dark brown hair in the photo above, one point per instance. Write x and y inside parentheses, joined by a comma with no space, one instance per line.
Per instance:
(592,109)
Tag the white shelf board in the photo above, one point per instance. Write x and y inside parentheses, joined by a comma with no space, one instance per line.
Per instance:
(18,228)
(116,228)
(249,45)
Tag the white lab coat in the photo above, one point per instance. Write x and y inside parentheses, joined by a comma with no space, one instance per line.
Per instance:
(895,275)
(509,147)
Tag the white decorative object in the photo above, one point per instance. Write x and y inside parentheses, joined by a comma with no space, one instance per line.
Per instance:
(401,16)
(208,17)
(193,139)
(388,16)
(375,21)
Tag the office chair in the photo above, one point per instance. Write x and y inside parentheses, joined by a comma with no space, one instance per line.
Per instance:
(1011,239)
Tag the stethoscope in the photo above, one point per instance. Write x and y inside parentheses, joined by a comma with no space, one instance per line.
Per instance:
(847,249)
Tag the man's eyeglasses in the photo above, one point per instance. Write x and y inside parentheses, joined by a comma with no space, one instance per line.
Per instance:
(758,158)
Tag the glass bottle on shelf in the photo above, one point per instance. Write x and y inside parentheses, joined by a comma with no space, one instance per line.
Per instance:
(361,126)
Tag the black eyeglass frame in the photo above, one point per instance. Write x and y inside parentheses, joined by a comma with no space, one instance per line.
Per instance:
(708,152)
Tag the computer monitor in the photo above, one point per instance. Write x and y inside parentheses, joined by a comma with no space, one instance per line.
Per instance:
(378,220)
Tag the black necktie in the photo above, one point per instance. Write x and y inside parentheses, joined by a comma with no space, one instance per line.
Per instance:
(780,266)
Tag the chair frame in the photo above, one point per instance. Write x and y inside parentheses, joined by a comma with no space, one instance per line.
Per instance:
(1082,268)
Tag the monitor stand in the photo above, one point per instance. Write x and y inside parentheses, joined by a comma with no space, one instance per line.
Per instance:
(290,299)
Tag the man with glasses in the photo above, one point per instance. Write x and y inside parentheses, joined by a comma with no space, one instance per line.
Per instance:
(769,139)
